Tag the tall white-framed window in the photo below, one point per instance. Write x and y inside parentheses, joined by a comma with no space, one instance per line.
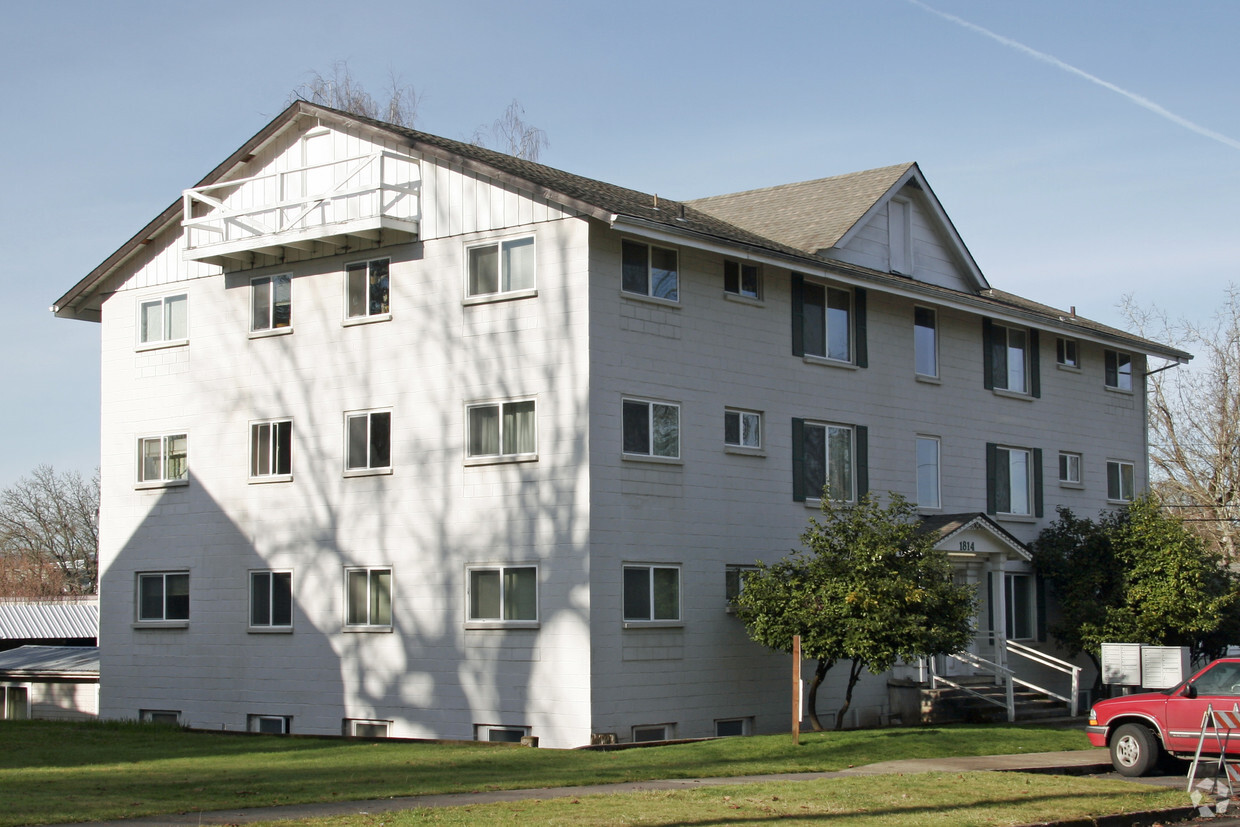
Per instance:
(1069,468)
(1010,358)
(163,460)
(1118,368)
(271,450)
(367,294)
(925,342)
(900,235)
(742,429)
(271,303)
(368,442)
(742,278)
(501,267)
(368,599)
(502,430)
(651,271)
(928,472)
(503,595)
(163,320)
(651,428)
(1022,609)
(1013,480)
(162,596)
(651,593)
(1121,481)
(271,600)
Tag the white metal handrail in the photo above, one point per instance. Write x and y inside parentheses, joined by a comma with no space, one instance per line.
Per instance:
(1043,659)
(1001,673)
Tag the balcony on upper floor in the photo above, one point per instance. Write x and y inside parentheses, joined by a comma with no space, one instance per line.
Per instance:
(306,212)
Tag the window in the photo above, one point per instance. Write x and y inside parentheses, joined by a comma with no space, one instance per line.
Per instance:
(728,727)
(271,599)
(831,457)
(900,236)
(1065,353)
(271,449)
(927,472)
(503,267)
(271,302)
(1013,481)
(734,581)
(742,279)
(163,459)
(1118,370)
(1069,468)
(826,318)
(14,703)
(502,429)
(361,728)
(163,717)
(1120,481)
(367,289)
(503,593)
(163,596)
(651,428)
(650,271)
(742,429)
(658,732)
(925,346)
(651,593)
(500,734)
(269,724)
(1021,607)
(369,598)
(164,320)
(1010,358)
(368,441)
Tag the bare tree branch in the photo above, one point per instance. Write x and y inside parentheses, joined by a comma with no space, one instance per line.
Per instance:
(340,90)
(49,534)
(510,133)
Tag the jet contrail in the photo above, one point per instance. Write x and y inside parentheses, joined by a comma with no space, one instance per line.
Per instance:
(1144,103)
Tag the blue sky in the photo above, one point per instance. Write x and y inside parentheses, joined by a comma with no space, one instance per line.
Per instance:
(1084,150)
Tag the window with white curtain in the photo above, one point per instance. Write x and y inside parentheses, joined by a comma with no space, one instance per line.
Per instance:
(163,460)
(502,430)
(501,267)
(164,320)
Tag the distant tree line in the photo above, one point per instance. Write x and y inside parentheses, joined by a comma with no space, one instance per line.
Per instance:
(49,535)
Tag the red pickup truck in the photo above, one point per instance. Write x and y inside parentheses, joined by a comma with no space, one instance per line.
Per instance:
(1140,729)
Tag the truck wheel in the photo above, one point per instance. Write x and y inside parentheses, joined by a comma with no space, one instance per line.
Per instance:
(1134,750)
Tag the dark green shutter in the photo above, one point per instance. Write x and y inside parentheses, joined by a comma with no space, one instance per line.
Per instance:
(862,435)
(798,315)
(798,460)
(992,466)
(1040,596)
(863,355)
(1035,359)
(988,356)
(1037,482)
(990,601)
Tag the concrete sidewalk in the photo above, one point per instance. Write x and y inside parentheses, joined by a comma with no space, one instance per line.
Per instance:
(1075,762)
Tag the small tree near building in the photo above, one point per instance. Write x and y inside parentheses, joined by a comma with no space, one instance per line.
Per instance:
(868,587)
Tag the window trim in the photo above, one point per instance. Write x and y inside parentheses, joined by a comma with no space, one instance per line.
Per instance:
(1034,482)
(162,342)
(996,337)
(501,457)
(483,731)
(254,720)
(650,455)
(1067,481)
(370,626)
(367,317)
(271,329)
(858,471)
(934,342)
(272,476)
(857,347)
(652,621)
(938,471)
(367,470)
(648,293)
(746,723)
(1064,360)
(271,627)
(499,294)
(350,727)
(162,622)
(165,455)
(499,622)
(1119,465)
(1113,367)
(739,447)
(754,297)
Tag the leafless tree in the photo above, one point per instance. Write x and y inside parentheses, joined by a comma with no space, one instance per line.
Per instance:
(49,534)
(340,90)
(1194,422)
(511,134)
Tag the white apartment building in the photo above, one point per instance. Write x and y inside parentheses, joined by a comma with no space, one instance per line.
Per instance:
(406,437)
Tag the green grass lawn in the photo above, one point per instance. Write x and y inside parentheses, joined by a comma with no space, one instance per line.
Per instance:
(51,772)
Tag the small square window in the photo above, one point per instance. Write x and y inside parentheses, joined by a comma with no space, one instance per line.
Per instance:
(1069,468)
(368,441)
(502,267)
(164,320)
(502,429)
(742,279)
(650,271)
(367,289)
(1118,370)
(163,459)
(269,724)
(503,593)
(1065,352)
(271,302)
(651,428)
(163,596)
(1121,481)
(271,599)
(271,449)
(734,580)
(651,593)
(742,429)
(368,597)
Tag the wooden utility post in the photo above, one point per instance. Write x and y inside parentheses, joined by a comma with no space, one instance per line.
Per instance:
(796,689)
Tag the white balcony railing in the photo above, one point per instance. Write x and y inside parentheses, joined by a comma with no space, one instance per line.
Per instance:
(358,194)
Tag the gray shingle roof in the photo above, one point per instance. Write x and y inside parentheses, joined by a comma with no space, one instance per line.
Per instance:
(49,619)
(33,661)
